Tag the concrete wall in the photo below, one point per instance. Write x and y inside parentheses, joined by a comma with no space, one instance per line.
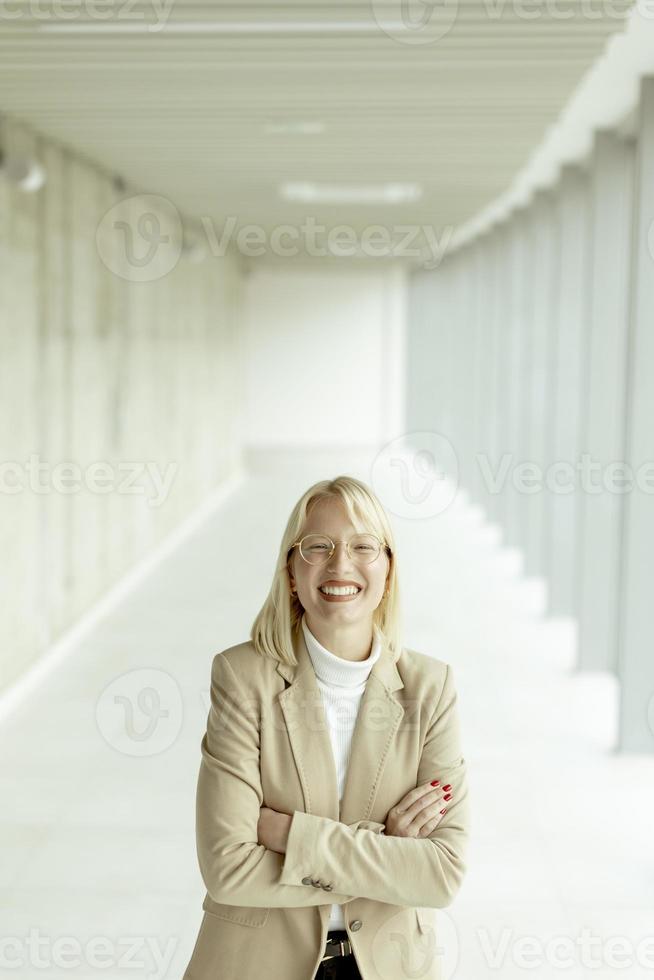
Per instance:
(97,368)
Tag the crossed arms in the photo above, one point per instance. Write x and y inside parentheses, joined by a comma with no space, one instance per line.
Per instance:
(357,858)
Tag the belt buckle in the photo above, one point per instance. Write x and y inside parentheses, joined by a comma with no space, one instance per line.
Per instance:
(343,952)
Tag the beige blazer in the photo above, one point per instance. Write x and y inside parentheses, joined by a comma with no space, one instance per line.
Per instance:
(267,744)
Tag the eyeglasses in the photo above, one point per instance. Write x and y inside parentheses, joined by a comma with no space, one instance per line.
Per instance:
(316,549)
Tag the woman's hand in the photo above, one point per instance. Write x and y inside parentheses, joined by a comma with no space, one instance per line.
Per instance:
(272,829)
(419,812)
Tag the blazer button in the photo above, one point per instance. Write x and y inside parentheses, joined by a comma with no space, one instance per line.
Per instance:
(307,881)
(328,888)
(356,925)
(315,882)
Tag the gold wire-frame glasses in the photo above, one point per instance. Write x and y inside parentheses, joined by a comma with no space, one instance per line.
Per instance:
(320,557)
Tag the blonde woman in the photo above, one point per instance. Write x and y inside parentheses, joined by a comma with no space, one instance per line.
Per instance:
(332,799)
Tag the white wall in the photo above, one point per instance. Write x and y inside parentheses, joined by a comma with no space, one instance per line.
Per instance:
(324,355)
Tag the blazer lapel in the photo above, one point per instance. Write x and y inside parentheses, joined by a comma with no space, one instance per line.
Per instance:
(379,717)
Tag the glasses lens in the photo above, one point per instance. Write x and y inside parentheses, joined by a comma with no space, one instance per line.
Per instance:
(315,548)
(364,547)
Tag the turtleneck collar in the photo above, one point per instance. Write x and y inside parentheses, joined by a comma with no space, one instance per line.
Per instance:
(334,670)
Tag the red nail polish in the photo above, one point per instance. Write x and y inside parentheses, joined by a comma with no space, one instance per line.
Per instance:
(448,796)
(444,811)
(447,787)
(435,782)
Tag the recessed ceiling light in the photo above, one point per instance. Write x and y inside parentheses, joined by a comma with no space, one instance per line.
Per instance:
(345,194)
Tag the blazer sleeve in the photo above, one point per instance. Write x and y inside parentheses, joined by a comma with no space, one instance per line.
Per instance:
(424,871)
(235,868)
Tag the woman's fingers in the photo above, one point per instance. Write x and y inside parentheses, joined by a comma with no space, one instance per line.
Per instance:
(424,801)
(420,811)
(427,828)
(415,795)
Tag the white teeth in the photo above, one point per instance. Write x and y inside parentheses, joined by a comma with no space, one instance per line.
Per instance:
(339,590)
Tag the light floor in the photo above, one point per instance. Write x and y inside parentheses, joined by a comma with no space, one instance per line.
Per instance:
(98,789)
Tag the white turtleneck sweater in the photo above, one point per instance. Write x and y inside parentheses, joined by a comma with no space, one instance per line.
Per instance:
(342,683)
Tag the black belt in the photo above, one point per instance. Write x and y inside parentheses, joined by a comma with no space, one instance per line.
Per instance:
(337,944)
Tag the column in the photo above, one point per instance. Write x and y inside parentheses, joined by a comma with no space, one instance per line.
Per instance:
(636,621)
(544,286)
(603,416)
(569,349)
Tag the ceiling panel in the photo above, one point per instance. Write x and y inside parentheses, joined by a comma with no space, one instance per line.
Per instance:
(175,97)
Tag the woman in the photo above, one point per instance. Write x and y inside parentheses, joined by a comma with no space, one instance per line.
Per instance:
(324,735)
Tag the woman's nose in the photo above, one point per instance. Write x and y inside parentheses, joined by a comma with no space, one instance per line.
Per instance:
(340,554)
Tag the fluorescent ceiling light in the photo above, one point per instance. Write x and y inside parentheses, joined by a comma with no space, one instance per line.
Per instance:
(219,27)
(343,194)
(292,128)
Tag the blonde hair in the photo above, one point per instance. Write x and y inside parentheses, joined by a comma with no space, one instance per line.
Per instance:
(280,615)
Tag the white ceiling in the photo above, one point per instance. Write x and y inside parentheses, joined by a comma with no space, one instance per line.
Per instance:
(458,106)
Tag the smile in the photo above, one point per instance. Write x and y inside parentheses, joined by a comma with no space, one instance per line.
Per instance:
(339,593)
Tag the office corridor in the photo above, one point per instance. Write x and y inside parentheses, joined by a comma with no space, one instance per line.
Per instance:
(98,830)
(245,247)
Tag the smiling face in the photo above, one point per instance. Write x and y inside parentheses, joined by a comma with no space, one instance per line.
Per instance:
(329,613)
